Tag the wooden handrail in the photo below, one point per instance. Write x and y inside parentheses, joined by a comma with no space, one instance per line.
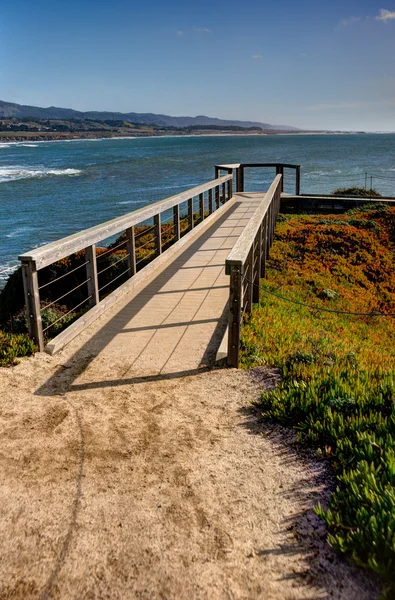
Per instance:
(55,251)
(239,253)
(86,240)
(246,264)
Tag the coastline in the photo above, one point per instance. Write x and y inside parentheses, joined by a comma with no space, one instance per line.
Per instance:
(30,139)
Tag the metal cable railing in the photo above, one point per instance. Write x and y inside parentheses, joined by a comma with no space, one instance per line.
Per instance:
(138,243)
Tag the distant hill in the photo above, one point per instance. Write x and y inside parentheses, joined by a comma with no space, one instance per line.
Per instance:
(10,109)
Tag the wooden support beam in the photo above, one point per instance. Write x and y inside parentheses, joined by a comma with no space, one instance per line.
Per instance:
(32,301)
(91,273)
(257,267)
(297,183)
(216,197)
(248,285)
(176,221)
(201,206)
(131,250)
(191,223)
(230,193)
(210,201)
(235,292)
(158,235)
(264,247)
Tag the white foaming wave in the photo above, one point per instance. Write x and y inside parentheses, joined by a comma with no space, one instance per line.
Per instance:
(8,174)
(131,202)
(5,271)
(29,145)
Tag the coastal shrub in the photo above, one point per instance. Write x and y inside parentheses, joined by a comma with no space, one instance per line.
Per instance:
(357,191)
(13,346)
(338,375)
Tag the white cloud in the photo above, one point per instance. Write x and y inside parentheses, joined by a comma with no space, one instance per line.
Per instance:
(202,29)
(180,33)
(257,56)
(350,21)
(385,15)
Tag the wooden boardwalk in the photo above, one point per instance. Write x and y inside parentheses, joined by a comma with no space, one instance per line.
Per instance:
(175,320)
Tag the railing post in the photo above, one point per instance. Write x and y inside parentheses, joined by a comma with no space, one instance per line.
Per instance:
(257,267)
(176,221)
(32,300)
(238,169)
(131,250)
(223,193)
(190,213)
(297,184)
(230,194)
(234,324)
(210,201)
(201,206)
(240,186)
(249,269)
(264,246)
(91,273)
(158,235)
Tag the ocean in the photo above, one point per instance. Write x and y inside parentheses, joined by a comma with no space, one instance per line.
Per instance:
(52,189)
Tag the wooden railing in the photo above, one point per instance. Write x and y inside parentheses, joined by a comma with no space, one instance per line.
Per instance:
(91,283)
(246,264)
(239,169)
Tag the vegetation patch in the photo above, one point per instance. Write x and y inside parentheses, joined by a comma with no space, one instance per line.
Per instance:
(13,346)
(357,191)
(338,374)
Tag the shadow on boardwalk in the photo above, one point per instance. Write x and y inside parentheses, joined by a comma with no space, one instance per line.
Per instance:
(177,320)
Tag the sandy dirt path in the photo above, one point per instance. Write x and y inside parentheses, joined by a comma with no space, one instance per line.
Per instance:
(163,487)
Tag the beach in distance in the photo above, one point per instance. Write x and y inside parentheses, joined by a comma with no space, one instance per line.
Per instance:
(51,189)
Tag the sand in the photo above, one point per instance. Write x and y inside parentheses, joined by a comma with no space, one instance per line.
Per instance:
(163,487)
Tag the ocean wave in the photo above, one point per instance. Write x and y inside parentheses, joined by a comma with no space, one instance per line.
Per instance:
(6,270)
(8,174)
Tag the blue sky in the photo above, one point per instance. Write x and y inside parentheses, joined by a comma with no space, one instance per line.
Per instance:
(305,63)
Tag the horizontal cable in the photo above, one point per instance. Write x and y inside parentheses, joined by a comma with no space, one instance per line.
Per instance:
(144,232)
(168,228)
(41,287)
(66,314)
(111,249)
(145,257)
(330,310)
(67,294)
(146,243)
(167,220)
(112,280)
(382,176)
(113,264)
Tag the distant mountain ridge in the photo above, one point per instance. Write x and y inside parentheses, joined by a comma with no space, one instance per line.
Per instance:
(11,109)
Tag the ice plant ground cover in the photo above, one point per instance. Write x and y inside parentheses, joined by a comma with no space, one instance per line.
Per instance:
(338,371)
